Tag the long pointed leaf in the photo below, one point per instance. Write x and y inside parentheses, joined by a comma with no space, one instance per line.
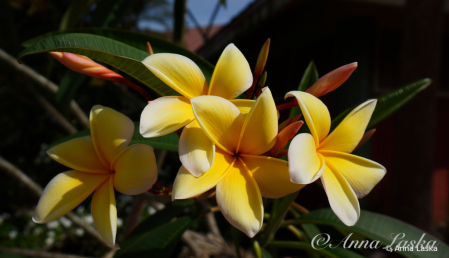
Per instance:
(116,54)
(137,40)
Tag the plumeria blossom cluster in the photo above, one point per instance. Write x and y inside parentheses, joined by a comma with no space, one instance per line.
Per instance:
(232,145)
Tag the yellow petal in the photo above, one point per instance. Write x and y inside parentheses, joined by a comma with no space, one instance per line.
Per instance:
(271,175)
(135,169)
(341,197)
(305,164)
(240,201)
(348,133)
(260,128)
(64,192)
(104,212)
(187,186)
(111,132)
(78,154)
(362,174)
(244,105)
(221,120)
(196,151)
(165,115)
(178,72)
(315,113)
(232,75)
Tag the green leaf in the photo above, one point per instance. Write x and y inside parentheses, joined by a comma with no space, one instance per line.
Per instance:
(69,84)
(137,40)
(166,142)
(328,253)
(265,253)
(158,234)
(309,77)
(377,227)
(389,102)
(311,230)
(114,53)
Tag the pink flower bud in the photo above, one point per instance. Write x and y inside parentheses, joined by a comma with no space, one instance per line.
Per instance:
(332,80)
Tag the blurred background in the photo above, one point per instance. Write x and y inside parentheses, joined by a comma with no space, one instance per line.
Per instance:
(394,42)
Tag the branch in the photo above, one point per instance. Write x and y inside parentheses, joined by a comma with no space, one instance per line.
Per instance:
(14,172)
(63,122)
(45,84)
(37,253)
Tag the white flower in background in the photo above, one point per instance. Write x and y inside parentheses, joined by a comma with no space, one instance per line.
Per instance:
(79,232)
(12,234)
(3,217)
(89,219)
(52,224)
(151,210)
(37,231)
(49,241)
(51,234)
(80,209)
(119,222)
(65,222)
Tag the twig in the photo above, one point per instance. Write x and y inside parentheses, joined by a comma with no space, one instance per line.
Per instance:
(300,208)
(139,205)
(62,121)
(16,173)
(45,84)
(37,253)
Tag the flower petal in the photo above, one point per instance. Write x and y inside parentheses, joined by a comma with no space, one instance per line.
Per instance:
(221,120)
(348,133)
(271,175)
(178,72)
(315,113)
(78,154)
(240,201)
(232,75)
(284,136)
(305,164)
(260,128)
(165,115)
(244,105)
(332,80)
(196,151)
(135,169)
(187,186)
(64,192)
(362,174)
(104,212)
(111,132)
(341,197)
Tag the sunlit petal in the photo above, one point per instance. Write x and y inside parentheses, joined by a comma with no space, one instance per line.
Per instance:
(240,201)
(135,169)
(232,75)
(341,197)
(79,154)
(187,186)
(178,72)
(244,105)
(305,164)
(165,115)
(271,175)
(260,128)
(315,113)
(104,212)
(64,192)
(221,120)
(362,174)
(348,133)
(196,150)
(111,132)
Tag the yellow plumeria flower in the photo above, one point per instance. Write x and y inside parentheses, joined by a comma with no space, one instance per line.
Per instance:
(241,174)
(232,76)
(101,162)
(345,177)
